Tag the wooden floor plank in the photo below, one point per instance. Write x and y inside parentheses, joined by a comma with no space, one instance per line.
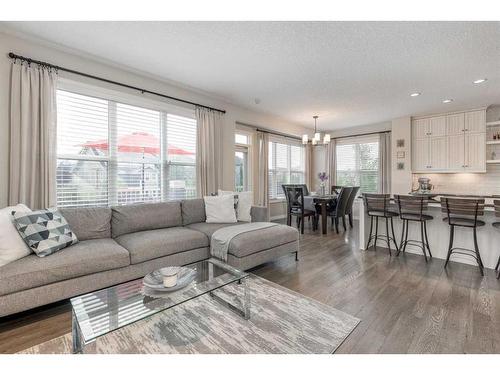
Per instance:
(406,305)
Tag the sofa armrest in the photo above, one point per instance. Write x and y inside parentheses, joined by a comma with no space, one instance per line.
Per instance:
(259,213)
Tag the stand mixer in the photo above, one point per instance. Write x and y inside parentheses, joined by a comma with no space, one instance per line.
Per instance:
(424,186)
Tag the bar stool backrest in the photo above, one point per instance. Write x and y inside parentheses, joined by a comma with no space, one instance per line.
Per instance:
(377,202)
(496,203)
(462,207)
(412,204)
(294,196)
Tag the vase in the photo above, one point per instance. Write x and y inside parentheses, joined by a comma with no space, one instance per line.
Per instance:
(322,190)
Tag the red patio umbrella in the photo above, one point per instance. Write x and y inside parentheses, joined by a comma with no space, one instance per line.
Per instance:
(139,142)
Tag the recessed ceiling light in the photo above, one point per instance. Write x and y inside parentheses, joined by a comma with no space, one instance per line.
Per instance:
(415,94)
(480,80)
(446,101)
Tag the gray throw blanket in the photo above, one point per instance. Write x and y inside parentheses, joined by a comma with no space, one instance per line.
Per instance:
(221,238)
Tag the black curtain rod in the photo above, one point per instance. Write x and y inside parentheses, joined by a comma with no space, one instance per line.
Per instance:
(361,135)
(144,91)
(276,133)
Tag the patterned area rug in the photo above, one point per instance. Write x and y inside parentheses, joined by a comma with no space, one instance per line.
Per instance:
(282,321)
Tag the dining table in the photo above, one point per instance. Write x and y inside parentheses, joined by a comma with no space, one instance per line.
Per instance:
(312,201)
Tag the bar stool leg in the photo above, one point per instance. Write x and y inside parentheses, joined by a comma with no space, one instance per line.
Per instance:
(394,236)
(450,246)
(406,235)
(402,238)
(422,238)
(387,235)
(476,249)
(376,232)
(427,239)
(496,268)
(370,236)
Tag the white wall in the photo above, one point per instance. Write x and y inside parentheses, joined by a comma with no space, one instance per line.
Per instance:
(401,180)
(70,59)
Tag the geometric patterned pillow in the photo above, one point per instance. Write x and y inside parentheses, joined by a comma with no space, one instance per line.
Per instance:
(44,231)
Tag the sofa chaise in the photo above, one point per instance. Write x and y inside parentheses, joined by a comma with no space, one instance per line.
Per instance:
(123,243)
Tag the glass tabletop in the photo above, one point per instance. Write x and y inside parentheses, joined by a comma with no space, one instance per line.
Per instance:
(109,309)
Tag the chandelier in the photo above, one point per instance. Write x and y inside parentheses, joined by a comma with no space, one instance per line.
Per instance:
(317,136)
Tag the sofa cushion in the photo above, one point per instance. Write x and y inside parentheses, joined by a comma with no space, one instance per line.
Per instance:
(140,217)
(83,258)
(210,228)
(157,243)
(89,223)
(193,211)
(249,243)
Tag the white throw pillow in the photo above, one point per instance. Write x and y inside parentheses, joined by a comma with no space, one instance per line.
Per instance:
(220,209)
(245,202)
(12,246)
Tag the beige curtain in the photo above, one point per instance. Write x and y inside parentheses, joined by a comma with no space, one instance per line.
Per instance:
(208,151)
(309,167)
(261,168)
(331,164)
(33,116)
(385,163)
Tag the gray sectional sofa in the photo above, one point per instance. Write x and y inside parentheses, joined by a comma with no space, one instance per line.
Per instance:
(126,242)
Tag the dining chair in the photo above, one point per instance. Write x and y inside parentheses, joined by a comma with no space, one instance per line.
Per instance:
(340,210)
(295,206)
(335,189)
(350,203)
(463,212)
(378,206)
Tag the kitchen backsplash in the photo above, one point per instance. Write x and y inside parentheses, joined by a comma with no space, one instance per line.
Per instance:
(465,183)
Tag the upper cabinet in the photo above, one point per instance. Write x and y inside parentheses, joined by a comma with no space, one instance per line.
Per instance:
(449,143)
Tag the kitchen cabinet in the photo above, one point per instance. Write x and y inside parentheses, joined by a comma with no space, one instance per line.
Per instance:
(454,142)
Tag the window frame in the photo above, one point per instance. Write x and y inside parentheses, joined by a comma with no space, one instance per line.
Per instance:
(288,142)
(245,148)
(357,141)
(113,98)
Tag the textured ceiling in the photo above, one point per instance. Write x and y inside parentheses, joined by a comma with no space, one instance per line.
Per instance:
(349,73)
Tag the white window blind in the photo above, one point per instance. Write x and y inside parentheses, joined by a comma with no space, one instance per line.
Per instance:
(115,153)
(286,165)
(357,161)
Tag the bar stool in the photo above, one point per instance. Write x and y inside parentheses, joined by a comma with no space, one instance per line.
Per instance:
(463,212)
(497,225)
(377,206)
(412,208)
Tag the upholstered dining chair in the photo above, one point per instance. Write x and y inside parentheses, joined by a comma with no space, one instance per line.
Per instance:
(340,210)
(350,203)
(295,206)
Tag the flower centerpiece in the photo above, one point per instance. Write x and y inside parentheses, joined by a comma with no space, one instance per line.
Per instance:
(323,177)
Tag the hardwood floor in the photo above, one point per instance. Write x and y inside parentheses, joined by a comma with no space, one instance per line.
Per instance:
(406,305)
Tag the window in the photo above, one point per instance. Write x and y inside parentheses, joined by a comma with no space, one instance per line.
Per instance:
(241,162)
(357,163)
(111,152)
(286,165)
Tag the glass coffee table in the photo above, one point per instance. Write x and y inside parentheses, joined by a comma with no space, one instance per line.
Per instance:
(98,313)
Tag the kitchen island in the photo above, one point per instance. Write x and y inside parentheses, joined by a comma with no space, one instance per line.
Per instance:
(439,233)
